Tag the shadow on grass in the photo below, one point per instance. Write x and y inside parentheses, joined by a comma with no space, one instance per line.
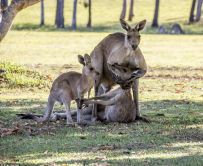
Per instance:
(181,111)
(129,160)
(50,28)
(170,125)
(110,27)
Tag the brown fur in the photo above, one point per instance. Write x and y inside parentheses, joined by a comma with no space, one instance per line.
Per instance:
(119,106)
(70,86)
(120,50)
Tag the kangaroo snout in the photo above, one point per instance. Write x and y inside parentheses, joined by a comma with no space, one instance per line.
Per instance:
(134,46)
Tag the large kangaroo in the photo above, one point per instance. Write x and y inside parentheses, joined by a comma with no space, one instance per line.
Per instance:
(67,87)
(116,55)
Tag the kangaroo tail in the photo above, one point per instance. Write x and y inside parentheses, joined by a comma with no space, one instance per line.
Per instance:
(29,116)
(41,118)
(49,109)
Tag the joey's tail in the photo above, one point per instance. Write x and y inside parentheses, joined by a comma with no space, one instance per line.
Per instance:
(40,118)
(49,109)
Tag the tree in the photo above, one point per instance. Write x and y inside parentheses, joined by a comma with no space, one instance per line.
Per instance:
(4,5)
(89,23)
(74,18)
(42,13)
(123,12)
(156,15)
(191,17)
(10,12)
(131,12)
(59,19)
(199,7)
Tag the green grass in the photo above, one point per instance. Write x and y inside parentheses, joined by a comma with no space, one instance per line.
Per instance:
(17,76)
(106,15)
(174,137)
(171,94)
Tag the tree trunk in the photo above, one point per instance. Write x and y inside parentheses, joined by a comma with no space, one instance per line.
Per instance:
(74,19)
(131,12)
(123,12)
(156,15)
(59,20)
(199,7)
(4,5)
(89,23)
(191,17)
(9,14)
(42,13)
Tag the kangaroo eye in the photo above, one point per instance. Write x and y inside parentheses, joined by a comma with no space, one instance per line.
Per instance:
(91,68)
(128,36)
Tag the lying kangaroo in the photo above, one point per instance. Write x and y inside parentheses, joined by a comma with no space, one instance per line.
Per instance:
(119,51)
(114,106)
(119,106)
(67,87)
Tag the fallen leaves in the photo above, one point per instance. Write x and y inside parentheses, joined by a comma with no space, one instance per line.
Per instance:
(104,147)
(7,131)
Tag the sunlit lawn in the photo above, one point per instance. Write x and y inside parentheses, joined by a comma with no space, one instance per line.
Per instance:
(171,97)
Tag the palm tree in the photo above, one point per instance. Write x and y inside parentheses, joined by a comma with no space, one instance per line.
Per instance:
(59,20)
(89,23)
(4,5)
(42,13)
(74,19)
(199,7)
(191,17)
(123,12)
(131,13)
(156,15)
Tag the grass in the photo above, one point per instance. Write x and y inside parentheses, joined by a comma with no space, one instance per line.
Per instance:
(171,93)
(174,137)
(106,14)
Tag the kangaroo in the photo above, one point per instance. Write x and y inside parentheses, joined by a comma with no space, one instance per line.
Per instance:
(116,55)
(67,87)
(114,106)
(119,106)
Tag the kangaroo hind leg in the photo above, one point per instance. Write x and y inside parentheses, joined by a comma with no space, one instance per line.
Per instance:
(67,101)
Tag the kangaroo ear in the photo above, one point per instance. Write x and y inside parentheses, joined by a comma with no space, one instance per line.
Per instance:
(125,25)
(87,59)
(140,26)
(81,60)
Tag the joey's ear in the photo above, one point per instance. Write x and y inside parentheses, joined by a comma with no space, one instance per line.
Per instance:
(140,26)
(87,59)
(81,60)
(125,25)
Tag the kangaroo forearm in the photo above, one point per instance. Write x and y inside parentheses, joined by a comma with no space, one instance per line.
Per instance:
(137,74)
(112,101)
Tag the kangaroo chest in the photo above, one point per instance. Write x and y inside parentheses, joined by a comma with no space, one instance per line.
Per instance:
(124,57)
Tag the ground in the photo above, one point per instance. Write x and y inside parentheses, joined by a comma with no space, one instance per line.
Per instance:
(171,96)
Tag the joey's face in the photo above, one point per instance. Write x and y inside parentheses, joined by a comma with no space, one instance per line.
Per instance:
(88,70)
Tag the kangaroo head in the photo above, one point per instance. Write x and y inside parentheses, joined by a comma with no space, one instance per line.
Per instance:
(133,33)
(87,70)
